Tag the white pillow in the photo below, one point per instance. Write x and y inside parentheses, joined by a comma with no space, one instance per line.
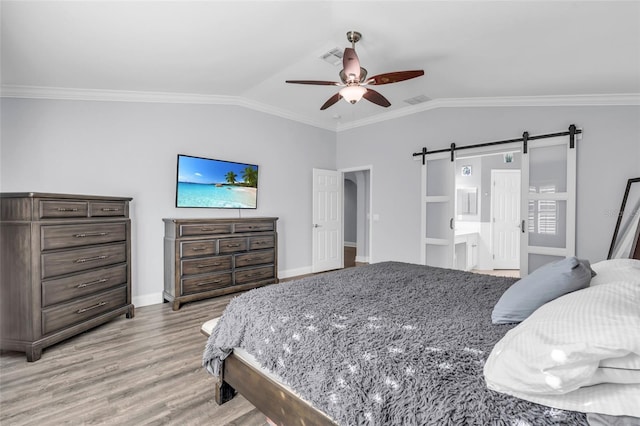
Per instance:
(616,270)
(570,344)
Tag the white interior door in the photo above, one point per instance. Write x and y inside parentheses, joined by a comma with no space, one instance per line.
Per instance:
(505,218)
(549,202)
(438,186)
(327,240)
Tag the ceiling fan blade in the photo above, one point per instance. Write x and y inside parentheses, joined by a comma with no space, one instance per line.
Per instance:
(351,64)
(315,82)
(332,100)
(375,97)
(394,77)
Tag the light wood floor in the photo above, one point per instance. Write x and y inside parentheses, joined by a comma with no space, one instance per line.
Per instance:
(141,371)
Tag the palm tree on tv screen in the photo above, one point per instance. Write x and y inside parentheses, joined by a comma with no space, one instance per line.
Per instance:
(250,176)
(231,177)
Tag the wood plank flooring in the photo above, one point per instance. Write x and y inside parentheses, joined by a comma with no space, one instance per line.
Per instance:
(141,371)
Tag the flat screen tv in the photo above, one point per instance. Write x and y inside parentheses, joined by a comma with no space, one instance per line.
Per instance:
(205,182)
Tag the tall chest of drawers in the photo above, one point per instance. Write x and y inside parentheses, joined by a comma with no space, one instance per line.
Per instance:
(65,267)
(210,257)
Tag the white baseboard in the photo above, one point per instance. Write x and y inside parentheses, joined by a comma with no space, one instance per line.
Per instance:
(288,273)
(363,259)
(350,244)
(147,299)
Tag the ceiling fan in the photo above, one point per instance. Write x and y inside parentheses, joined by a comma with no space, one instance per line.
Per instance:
(354,78)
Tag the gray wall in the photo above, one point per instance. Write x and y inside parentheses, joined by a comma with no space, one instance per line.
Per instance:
(129,149)
(608,155)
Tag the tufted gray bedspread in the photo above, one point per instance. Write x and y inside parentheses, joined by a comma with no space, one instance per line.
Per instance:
(384,344)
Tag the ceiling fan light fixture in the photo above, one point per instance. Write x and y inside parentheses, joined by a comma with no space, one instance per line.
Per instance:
(354,77)
(353,94)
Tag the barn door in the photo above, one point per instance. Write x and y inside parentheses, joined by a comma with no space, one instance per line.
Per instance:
(438,223)
(548,225)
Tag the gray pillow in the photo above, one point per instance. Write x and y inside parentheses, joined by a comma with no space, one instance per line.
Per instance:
(546,283)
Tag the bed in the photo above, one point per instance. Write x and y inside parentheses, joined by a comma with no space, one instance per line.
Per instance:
(388,343)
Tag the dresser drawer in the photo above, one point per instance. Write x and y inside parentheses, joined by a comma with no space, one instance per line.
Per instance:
(254,274)
(62,316)
(231,245)
(254,258)
(82,284)
(69,261)
(204,229)
(62,236)
(203,283)
(107,208)
(267,241)
(198,248)
(252,227)
(62,209)
(205,264)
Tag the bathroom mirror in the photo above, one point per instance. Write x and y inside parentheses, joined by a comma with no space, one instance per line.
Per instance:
(467,202)
(625,236)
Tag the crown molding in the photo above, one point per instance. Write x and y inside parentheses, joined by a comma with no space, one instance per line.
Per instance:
(61,93)
(619,99)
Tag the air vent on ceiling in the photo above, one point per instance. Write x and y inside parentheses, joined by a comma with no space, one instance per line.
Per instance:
(417,99)
(334,56)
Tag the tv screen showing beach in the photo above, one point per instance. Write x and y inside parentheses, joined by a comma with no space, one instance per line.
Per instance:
(205,182)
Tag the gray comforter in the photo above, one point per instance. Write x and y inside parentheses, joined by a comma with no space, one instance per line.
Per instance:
(384,344)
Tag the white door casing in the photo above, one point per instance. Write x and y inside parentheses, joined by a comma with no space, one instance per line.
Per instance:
(505,218)
(327,240)
(364,232)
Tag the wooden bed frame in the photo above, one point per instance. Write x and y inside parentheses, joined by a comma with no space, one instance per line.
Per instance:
(276,402)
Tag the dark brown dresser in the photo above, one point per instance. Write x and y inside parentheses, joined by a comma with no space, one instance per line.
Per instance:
(210,257)
(65,267)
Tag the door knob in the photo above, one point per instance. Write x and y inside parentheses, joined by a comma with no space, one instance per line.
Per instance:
(315,225)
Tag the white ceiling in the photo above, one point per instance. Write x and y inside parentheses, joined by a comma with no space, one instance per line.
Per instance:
(241,52)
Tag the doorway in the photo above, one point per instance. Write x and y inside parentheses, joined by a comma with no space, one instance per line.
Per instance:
(486,236)
(357,216)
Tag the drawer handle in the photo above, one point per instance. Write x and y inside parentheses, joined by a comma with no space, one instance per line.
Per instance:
(233,245)
(208,265)
(207,229)
(63,209)
(83,310)
(110,209)
(90,259)
(91,234)
(198,248)
(100,281)
(209,282)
